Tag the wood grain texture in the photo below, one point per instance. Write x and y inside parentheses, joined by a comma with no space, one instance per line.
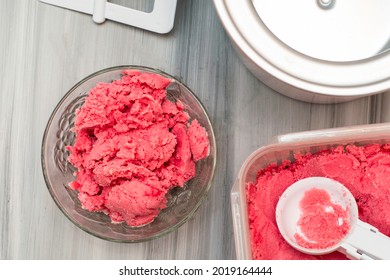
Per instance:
(45,50)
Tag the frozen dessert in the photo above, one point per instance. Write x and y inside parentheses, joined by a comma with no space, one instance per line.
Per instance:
(132,146)
(322,223)
(364,170)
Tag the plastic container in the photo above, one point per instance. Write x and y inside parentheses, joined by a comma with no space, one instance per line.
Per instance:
(284,147)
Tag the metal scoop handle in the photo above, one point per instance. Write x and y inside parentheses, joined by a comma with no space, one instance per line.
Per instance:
(366,243)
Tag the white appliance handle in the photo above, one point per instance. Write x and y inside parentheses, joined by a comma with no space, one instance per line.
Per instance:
(160,20)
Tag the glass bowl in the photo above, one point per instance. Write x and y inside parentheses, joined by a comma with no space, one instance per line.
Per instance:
(58,172)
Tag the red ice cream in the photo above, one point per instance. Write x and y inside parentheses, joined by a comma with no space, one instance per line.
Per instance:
(323,223)
(132,146)
(364,170)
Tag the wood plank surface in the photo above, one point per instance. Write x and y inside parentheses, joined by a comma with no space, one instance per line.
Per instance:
(45,50)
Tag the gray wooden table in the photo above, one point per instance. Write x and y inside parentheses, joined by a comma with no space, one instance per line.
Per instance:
(45,50)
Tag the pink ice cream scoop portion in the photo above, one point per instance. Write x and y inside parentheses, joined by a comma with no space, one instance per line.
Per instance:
(323,224)
(364,170)
(132,146)
(199,141)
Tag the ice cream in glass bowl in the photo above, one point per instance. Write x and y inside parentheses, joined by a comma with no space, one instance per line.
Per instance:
(129,154)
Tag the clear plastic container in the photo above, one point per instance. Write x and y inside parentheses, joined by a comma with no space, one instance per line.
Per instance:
(284,147)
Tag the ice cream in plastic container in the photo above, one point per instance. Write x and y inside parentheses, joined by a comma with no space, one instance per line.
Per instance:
(284,147)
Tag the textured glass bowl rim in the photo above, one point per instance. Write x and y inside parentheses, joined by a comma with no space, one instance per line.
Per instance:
(211,139)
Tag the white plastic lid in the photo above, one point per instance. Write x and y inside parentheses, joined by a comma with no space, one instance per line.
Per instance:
(267,33)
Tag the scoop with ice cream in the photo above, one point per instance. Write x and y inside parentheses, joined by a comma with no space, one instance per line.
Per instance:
(318,215)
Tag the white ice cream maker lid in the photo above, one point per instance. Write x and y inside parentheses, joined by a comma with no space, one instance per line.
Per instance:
(334,48)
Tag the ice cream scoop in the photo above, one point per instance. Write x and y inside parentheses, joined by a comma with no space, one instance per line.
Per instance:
(318,215)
